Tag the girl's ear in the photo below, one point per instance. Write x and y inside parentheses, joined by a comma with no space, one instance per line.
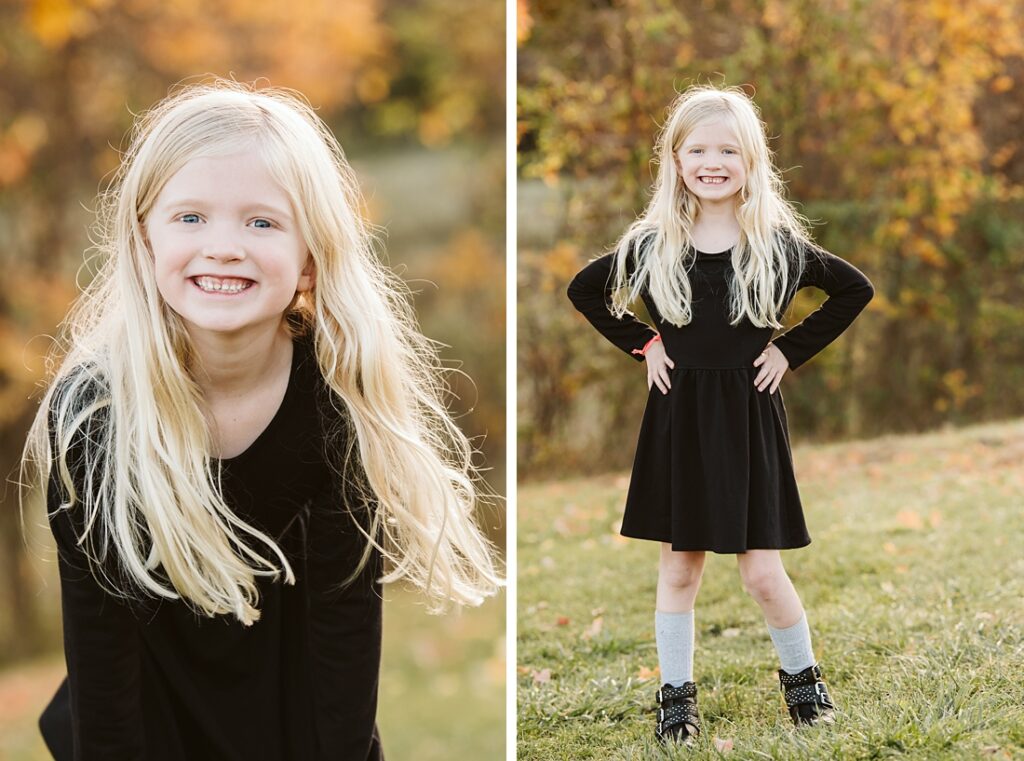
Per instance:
(307,279)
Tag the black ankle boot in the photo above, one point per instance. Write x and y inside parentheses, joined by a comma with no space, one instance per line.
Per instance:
(807,697)
(678,718)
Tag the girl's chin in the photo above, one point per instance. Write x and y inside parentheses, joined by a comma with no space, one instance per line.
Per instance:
(209,327)
(716,198)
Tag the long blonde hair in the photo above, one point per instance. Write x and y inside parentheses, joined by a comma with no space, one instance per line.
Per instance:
(124,384)
(770,254)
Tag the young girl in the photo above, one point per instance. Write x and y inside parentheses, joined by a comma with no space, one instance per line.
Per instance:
(717,257)
(246,432)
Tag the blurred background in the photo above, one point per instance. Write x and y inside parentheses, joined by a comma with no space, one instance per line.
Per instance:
(898,126)
(414,90)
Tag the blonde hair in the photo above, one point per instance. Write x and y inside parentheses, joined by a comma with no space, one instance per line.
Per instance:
(124,385)
(769,257)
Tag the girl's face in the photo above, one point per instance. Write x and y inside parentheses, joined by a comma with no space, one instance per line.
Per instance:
(710,163)
(226,247)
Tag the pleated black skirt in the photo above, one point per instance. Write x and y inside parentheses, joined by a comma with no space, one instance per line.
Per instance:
(713,467)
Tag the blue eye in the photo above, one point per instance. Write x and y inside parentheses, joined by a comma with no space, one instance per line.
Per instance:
(185,217)
(269,223)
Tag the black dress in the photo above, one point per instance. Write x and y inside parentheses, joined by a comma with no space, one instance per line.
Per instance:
(713,468)
(153,681)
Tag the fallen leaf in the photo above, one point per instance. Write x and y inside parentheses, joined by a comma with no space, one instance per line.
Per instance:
(723,745)
(934,518)
(732,631)
(890,548)
(909,519)
(542,677)
(645,673)
(594,629)
(563,621)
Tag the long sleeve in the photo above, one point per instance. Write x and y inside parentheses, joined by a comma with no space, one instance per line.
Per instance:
(101,642)
(849,291)
(591,292)
(344,635)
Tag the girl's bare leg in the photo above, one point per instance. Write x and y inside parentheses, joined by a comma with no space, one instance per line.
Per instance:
(767,582)
(679,575)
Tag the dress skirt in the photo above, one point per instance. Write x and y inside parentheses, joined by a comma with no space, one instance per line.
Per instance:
(713,468)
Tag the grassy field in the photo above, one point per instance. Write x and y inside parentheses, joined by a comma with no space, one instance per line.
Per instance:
(442,687)
(913,589)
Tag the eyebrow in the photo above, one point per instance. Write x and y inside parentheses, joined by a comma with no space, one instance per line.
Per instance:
(720,145)
(177,203)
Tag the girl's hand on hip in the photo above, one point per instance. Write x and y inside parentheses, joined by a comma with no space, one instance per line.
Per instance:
(658,365)
(773,364)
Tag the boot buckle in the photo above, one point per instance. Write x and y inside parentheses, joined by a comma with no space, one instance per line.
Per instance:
(822,693)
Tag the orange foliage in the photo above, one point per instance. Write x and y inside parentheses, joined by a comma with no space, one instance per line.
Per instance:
(35,302)
(315,47)
(894,125)
(524,22)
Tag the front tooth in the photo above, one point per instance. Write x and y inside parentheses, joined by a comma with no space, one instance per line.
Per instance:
(211,285)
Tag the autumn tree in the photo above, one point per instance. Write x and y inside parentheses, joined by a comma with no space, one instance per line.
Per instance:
(889,120)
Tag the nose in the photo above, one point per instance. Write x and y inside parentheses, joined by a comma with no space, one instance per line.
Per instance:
(223,247)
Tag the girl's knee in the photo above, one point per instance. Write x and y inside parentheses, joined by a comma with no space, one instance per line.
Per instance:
(763,580)
(681,570)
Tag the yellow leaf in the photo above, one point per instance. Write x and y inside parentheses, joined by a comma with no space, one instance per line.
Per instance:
(909,519)
(645,673)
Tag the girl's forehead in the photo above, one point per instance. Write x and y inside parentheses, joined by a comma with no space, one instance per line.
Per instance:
(241,175)
(712,131)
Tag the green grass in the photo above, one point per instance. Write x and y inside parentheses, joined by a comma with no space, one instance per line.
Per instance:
(913,590)
(442,689)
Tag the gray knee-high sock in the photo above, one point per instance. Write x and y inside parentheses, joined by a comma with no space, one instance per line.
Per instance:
(673,633)
(793,645)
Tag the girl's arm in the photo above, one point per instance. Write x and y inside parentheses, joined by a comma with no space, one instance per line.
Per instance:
(101,641)
(849,291)
(591,293)
(344,634)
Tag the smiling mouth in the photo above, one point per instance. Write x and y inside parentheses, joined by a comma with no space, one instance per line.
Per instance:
(226,287)
(708,180)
